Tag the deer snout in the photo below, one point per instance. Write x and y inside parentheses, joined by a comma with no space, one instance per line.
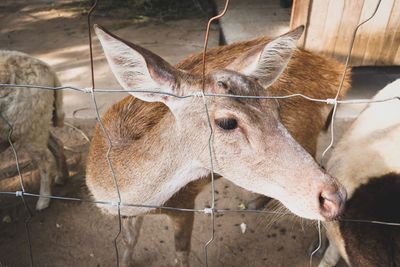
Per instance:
(332,201)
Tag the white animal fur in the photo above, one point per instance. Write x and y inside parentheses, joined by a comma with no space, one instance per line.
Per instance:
(30,111)
(373,137)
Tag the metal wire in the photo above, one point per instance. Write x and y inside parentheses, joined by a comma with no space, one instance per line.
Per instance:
(100,202)
(110,165)
(119,204)
(211,135)
(89,24)
(328,101)
(212,210)
(319,243)
(130,205)
(370,221)
(210,150)
(342,81)
(205,210)
(206,40)
(21,181)
(335,105)
(105,133)
(9,138)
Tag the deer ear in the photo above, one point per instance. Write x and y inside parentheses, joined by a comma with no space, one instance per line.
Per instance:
(267,63)
(139,69)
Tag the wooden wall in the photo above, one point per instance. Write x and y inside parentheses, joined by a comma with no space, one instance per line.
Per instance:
(330,25)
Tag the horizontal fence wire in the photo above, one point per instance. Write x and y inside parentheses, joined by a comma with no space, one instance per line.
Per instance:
(206,210)
(204,96)
(329,101)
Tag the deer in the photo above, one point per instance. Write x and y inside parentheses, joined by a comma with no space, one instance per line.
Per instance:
(366,162)
(160,143)
(28,113)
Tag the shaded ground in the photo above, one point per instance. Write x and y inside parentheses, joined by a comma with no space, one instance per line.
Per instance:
(77,234)
(57,34)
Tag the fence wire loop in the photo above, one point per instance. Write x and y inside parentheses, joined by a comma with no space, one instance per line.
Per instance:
(199,94)
(209,210)
(88,90)
(331,101)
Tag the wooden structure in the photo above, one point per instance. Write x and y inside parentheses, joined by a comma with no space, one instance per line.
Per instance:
(330,25)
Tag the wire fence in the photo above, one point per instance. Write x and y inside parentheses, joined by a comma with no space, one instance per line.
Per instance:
(212,210)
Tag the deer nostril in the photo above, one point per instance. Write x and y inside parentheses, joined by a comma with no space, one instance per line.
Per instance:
(321,200)
(332,202)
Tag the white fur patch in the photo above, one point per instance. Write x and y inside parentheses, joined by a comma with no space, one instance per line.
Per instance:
(370,147)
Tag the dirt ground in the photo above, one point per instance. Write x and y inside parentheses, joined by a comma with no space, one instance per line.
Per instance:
(77,234)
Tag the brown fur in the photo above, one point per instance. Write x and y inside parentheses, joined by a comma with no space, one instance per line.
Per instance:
(307,73)
(132,118)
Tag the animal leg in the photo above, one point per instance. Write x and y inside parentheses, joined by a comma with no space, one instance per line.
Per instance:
(131,231)
(57,149)
(183,226)
(183,221)
(331,257)
(45,162)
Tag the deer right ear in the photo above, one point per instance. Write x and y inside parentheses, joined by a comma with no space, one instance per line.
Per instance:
(139,69)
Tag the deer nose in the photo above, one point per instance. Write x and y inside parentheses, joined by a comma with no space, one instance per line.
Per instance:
(332,201)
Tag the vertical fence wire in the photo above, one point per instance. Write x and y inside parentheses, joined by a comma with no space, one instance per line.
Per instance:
(335,100)
(105,134)
(20,193)
(335,106)
(211,135)
(319,243)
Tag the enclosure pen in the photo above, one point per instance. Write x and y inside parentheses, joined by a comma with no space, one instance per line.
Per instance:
(212,210)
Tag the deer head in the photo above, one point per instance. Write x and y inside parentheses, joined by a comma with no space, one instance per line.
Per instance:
(250,147)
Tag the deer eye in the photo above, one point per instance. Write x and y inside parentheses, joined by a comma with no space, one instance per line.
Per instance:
(227,124)
(222,85)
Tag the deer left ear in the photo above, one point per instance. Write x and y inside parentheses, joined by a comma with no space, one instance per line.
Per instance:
(268,63)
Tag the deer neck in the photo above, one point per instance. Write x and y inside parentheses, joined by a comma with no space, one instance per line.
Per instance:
(154,178)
